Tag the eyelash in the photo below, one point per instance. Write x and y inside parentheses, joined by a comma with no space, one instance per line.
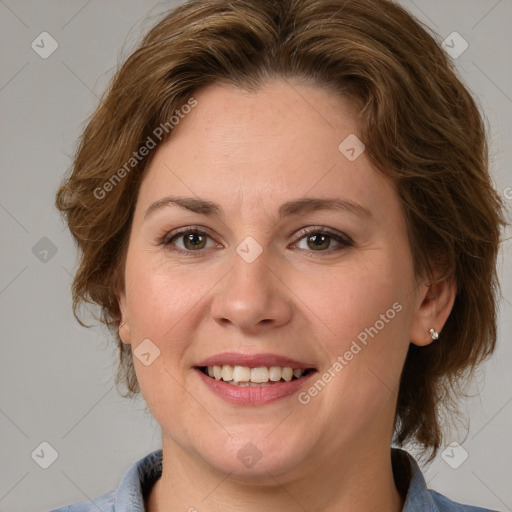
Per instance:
(343,240)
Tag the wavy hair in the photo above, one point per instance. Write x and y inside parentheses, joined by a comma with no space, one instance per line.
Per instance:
(420,125)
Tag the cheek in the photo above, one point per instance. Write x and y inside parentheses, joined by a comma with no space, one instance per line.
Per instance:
(366,309)
(164,302)
(359,301)
(160,296)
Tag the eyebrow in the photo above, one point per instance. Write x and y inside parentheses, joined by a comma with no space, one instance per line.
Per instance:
(295,207)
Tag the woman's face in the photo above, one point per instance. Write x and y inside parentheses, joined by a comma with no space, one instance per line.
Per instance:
(298,258)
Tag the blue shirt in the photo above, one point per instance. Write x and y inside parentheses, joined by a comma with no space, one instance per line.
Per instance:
(140,477)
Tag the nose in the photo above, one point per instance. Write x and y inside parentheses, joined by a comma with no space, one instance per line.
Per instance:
(251,297)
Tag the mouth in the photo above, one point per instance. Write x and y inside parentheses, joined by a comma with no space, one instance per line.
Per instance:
(246,379)
(255,376)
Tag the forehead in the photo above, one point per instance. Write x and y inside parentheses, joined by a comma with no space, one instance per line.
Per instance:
(278,143)
(228,121)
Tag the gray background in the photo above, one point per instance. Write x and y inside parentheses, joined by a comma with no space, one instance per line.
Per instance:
(56,377)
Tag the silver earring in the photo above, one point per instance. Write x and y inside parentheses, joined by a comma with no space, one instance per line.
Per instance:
(434,334)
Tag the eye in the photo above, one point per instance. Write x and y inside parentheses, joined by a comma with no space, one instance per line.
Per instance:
(321,239)
(188,240)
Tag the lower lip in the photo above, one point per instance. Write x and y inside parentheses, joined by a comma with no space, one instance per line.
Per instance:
(253,395)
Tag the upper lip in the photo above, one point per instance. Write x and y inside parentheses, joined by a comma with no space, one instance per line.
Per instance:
(252,360)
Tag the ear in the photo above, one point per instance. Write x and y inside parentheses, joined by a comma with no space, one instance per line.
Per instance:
(124,324)
(435,305)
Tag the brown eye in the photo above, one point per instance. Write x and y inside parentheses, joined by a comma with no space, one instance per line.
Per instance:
(194,241)
(189,240)
(321,240)
(318,241)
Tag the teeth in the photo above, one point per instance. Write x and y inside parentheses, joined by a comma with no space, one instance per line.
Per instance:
(227,372)
(259,375)
(241,374)
(287,374)
(245,376)
(274,373)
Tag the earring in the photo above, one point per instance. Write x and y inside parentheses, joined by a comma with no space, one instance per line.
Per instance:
(434,334)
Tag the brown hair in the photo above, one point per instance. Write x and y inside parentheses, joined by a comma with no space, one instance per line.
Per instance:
(420,125)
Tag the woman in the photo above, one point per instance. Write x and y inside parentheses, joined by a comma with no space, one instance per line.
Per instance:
(284,212)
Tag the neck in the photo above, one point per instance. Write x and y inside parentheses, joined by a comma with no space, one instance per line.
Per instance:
(359,479)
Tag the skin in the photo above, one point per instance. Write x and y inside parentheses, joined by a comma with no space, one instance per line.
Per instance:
(250,153)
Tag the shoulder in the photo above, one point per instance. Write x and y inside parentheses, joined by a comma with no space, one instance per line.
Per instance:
(130,493)
(412,485)
(105,503)
(443,503)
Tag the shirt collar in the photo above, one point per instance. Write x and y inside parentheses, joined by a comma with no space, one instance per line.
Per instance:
(417,496)
(137,482)
(140,477)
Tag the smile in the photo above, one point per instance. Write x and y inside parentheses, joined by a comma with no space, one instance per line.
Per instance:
(245,379)
(256,376)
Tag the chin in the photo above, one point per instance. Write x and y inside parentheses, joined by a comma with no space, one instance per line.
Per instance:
(252,458)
